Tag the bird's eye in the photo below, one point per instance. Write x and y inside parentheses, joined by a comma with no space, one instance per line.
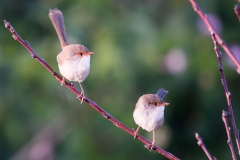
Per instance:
(81,53)
(155,103)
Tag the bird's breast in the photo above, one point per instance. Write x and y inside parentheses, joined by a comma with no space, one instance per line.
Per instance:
(149,119)
(74,69)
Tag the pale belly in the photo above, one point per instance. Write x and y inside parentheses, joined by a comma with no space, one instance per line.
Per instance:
(75,70)
(149,120)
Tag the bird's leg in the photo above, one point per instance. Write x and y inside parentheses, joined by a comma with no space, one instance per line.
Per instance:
(63,81)
(136,132)
(82,93)
(153,142)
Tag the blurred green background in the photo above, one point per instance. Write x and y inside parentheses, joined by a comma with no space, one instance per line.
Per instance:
(140,46)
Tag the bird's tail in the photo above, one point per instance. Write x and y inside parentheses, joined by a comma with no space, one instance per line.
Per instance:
(57,19)
(162,92)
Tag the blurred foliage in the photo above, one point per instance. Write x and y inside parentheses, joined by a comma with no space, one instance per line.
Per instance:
(131,40)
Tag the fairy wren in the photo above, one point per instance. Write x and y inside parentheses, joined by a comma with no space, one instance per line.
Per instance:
(149,112)
(74,59)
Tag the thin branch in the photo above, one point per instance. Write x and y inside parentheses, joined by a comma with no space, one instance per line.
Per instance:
(224,83)
(237,11)
(201,144)
(217,39)
(229,141)
(211,28)
(227,93)
(93,104)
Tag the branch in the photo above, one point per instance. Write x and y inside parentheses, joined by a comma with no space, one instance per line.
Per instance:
(201,144)
(211,28)
(93,104)
(217,39)
(237,11)
(229,141)
(227,93)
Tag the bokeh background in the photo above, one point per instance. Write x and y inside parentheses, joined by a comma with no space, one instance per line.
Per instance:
(140,46)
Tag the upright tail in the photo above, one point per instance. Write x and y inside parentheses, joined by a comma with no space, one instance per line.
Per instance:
(162,92)
(56,17)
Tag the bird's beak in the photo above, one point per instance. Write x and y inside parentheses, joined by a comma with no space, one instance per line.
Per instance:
(166,103)
(90,53)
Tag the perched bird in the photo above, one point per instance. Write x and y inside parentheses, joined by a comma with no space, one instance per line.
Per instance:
(149,112)
(74,59)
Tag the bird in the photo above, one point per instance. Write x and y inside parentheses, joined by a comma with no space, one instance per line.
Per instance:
(74,59)
(149,112)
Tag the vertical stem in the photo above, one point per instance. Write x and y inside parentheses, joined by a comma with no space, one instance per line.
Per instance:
(218,40)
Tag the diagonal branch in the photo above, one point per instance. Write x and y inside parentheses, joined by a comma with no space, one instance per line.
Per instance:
(201,144)
(229,141)
(217,39)
(211,28)
(93,104)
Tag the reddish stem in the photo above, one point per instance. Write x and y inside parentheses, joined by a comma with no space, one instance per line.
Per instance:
(227,93)
(211,28)
(94,105)
(201,144)
(237,11)
(217,39)
(229,141)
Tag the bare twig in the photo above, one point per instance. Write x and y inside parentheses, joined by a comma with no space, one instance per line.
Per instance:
(237,11)
(211,28)
(229,141)
(79,96)
(201,144)
(227,93)
(217,39)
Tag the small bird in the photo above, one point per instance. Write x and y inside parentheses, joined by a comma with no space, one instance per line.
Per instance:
(73,60)
(149,112)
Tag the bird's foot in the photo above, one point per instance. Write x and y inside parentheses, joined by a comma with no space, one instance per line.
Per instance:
(136,133)
(81,95)
(150,146)
(63,81)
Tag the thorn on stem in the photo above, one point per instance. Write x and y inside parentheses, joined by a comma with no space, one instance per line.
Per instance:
(229,94)
(6,23)
(14,37)
(33,56)
(212,33)
(219,67)
(105,116)
(27,43)
(228,141)
(224,113)
(53,73)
